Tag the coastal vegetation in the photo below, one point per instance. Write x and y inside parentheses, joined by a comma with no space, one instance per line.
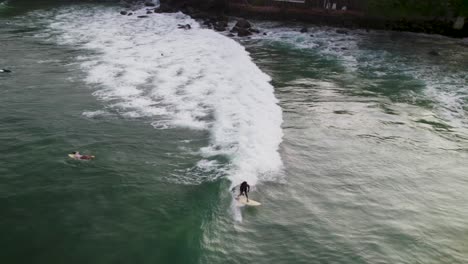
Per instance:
(418,8)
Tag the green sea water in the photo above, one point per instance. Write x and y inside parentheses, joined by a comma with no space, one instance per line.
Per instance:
(374,149)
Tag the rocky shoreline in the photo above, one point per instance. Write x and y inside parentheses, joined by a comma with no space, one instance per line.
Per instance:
(215,15)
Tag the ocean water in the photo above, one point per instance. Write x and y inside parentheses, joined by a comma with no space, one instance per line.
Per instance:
(355,144)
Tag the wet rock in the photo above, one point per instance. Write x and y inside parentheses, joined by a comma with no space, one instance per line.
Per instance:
(231,35)
(433,53)
(123,12)
(129,14)
(242,23)
(149,12)
(222,23)
(220,26)
(164,8)
(149,4)
(342,31)
(186,26)
(243,32)
(304,30)
(142,16)
(264,33)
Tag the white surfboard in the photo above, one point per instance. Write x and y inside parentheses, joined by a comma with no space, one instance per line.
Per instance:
(75,158)
(242,200)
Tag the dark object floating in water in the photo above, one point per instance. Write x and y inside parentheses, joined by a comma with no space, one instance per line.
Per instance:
(186,26)
(77,156)
(123,12)
(142,16)
(4,70)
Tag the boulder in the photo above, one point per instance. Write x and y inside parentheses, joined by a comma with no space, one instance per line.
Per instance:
(129,14)
(164,8)
(123,12)
(304,30)
(222,23)
(220,26)
(231,35)
(242,23)
(243,32)
(149,12)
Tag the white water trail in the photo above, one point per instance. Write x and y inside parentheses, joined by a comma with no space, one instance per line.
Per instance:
(195,78)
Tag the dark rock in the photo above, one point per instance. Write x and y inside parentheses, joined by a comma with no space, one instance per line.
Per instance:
(220,26)
(234,30)
(344,48)
(221,23)
(242,23)
(164,8)
(342,31)
(231,35)
(264,33)
(304,30)
(312,35)
(149,12)
(186,26)
(129,14)
(149,4)
(223,18)
(123,12)
(433,53)
(142,16)
(199,15)
(243,32)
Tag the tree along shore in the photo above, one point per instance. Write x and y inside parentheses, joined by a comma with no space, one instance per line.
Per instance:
(429,16)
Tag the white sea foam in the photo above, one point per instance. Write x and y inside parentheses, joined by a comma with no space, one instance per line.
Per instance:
(195,78)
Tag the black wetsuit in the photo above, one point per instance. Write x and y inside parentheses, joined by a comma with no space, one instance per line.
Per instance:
(244,189)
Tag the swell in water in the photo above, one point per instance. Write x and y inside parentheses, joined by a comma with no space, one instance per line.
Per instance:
(439,83)
(195,79)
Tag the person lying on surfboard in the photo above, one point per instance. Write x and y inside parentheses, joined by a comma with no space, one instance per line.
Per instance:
(244,189)
(77,155)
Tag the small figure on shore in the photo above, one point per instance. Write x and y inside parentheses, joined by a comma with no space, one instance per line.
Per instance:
(244,189)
